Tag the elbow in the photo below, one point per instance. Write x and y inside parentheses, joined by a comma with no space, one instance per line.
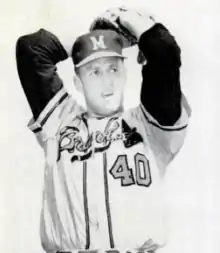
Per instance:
(21,41)
(24,48)
(21,46)
(25,42)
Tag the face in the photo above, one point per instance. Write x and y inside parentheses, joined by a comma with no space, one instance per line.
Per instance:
(102,83)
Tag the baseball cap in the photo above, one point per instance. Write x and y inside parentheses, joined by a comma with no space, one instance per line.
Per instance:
(96,44)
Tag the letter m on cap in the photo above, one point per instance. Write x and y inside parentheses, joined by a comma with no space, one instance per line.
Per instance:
(98,44)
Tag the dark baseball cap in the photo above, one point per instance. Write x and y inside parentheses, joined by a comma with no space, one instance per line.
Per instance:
(96,44)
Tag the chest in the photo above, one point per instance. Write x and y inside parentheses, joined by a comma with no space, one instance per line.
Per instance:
(111,150)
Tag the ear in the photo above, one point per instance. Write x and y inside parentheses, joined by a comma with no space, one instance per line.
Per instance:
(78,84)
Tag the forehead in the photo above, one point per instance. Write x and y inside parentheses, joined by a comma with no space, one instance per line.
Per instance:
(106,61)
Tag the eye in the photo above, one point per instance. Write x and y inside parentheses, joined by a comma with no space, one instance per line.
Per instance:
(113,69)
(95,72)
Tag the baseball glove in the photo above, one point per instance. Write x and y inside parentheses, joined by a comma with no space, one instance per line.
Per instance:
(110,20)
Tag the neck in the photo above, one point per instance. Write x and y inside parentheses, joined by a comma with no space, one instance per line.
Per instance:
(92,114)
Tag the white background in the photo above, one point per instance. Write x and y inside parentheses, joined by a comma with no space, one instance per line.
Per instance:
(192,179)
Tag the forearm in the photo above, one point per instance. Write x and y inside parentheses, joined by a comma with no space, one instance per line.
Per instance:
(37,55)
(161,91)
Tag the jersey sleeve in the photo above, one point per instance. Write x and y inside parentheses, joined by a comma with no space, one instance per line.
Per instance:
(161,90)
(164,112)
(36,56)
(56,112)
(167,141)
(164,141)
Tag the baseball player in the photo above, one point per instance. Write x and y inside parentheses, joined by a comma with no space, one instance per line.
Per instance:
(104,166)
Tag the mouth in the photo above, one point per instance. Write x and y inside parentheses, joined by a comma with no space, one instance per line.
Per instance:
(107,94)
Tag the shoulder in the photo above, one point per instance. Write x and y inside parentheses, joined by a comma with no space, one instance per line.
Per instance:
(56,114)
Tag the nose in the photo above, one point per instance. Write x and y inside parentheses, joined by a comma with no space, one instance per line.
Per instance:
(107,81)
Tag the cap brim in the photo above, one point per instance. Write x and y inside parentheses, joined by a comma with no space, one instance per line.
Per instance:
(98,55)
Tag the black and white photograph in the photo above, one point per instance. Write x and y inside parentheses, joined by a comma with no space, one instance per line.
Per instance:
(110,126)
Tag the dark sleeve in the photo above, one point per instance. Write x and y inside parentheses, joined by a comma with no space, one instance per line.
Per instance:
(37,55)
(161,91)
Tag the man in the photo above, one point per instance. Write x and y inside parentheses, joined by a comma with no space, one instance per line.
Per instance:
(104,166)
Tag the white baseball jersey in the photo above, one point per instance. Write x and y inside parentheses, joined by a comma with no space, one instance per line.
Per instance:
(103,183)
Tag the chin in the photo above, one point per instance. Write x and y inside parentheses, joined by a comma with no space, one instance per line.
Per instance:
(111,111)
